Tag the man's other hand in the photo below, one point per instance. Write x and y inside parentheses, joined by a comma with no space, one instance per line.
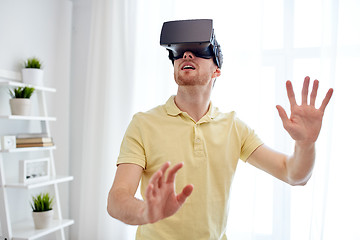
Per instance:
(161,200)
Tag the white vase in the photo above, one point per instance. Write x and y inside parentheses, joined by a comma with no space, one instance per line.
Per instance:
(33,76)
(20,106)
(42,219)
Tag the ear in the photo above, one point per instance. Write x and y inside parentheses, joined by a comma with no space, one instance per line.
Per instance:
(216,73)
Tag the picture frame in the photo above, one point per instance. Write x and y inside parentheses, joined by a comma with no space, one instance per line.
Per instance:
(8,142)
(34,170)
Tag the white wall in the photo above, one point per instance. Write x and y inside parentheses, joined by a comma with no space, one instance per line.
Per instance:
(42,28)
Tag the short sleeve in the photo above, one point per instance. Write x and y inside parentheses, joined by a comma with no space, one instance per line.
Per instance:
(132,147)
(248,139)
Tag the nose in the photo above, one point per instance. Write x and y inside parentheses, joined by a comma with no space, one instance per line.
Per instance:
(188,54)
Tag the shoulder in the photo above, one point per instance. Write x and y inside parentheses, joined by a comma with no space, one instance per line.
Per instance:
(231,119)
(155,112)
(231,116)
(149,118)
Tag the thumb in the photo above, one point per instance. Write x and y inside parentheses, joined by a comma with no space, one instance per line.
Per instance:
(282,114)
(184,194)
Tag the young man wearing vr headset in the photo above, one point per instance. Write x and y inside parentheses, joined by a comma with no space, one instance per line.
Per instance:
(192,134)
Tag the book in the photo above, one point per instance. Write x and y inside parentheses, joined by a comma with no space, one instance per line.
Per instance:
(34,140)
(23,145)
(32,135)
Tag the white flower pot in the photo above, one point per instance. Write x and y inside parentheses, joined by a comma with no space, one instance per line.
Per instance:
(20,106)
(42,219)
(33,76)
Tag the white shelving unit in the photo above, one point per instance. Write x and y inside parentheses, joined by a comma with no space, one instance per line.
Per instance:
(25,230)
(36,118)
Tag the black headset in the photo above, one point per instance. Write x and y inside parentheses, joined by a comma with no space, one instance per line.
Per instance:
(196,36)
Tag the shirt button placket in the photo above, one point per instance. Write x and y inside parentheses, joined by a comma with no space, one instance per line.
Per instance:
(198,147)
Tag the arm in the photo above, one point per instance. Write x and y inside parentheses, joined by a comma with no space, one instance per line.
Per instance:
(304,127)
(122,204)
(294,170)
(161,200)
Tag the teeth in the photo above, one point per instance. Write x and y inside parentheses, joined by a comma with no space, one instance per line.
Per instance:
(188,67)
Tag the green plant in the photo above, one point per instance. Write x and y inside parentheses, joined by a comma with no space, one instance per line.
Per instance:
(42,202)
(22,92)
(32,63)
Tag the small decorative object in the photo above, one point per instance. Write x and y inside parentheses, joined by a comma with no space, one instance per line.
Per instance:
(8,142)
(34,170)
(32,73)
(20,103)
(42,210)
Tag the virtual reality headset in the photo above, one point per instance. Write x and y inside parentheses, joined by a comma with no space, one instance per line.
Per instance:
(196,36)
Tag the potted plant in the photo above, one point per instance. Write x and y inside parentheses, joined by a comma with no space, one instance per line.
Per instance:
(32,72)
(42,210)
(20,103)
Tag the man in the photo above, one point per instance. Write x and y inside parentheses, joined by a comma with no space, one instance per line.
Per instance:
(192,134)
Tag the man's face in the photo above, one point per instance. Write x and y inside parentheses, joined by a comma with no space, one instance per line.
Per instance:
(191,70)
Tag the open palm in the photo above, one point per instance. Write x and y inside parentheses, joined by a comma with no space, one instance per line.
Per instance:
(305,120)
(161,199)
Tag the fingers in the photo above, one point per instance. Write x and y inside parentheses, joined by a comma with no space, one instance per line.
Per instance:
(313,96)
(181,197)
(305,90)
(163,169)
(153,185)
(314,93)
(326,100)
(304,95)
(156,179)
(282,114)
(173,171)
(149,194)
(290,93)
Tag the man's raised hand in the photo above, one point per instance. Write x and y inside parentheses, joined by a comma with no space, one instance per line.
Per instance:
(305,120)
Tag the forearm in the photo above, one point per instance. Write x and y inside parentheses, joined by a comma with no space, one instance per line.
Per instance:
(300,164)
(126,208)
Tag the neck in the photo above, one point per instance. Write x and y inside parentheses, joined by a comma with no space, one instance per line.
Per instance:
(194,100)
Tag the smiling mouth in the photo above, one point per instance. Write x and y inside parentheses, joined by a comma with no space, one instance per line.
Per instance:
(188,67)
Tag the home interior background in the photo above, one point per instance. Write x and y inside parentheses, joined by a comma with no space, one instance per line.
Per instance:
(118,68)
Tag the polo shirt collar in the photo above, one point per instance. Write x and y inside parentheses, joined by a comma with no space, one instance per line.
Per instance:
(173,110)
(171,107)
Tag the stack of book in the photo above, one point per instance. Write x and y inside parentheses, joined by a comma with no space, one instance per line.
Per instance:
(34,141)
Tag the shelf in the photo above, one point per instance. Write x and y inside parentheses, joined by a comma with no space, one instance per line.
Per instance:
(20,84)
(28,149)
(52,180)
(26,231)
(21,117)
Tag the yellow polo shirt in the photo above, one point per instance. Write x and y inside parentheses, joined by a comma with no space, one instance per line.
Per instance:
(209,148)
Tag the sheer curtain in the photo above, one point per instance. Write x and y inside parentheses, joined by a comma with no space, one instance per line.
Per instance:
(102,99)
(265,43)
